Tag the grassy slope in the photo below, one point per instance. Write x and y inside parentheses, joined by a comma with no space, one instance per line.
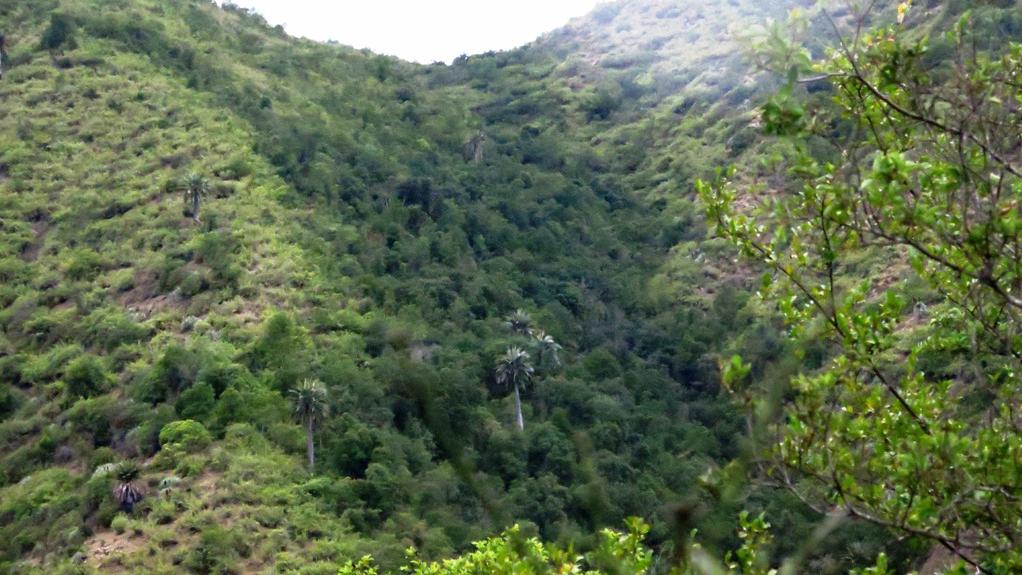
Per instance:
(89,226)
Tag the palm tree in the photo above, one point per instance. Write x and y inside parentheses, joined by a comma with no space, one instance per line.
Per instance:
(126,492)
(3,54)
(474,147)
(514,370)
(519,322)
(546,350)
(195,186)
(310,406)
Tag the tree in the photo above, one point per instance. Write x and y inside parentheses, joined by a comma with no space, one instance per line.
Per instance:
(918,432)
(195,186)
(310,406)
(126,492)
(519,322)
(59,33)
(547,350)
(3,54)
(474,148)
(514,371)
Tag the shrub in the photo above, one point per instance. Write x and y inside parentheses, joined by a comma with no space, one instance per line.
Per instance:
(190,466)
(176,370)
(60,32)
(29,506)
(146,438)
(236,168)
(188,434)
(217,249)
(119,523)
(102,456)
(9,400)
(222,375)
(111,327)
(282,340)
(288,436)
(86,376)
(196,402)
(163,511)
(215,552)
(102,416)
(83,264)
(98,499)
(49,366)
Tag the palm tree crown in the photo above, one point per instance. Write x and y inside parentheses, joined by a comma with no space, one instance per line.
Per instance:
(126,492)
(310,400)
(547,349)
(195,186)
(513,368)
(519,322)
(515,371)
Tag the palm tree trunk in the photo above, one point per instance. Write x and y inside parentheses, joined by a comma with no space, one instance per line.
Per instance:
(518,410)
(310,447)
(195,206)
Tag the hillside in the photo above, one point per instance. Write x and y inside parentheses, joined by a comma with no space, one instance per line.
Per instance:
(691,48)
(347,236)
(371,238)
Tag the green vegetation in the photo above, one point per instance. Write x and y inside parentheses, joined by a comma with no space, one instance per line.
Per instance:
(397,266)
(910,422)
(310,399)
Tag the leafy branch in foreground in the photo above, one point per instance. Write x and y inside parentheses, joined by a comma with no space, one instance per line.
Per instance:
(913,423)
(622,553)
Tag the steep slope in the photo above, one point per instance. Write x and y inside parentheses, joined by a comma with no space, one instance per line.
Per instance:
(368,224)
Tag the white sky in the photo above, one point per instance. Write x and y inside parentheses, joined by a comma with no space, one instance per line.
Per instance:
(421,30)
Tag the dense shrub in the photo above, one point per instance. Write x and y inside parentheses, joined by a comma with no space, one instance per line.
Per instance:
(104,418)
(216,551)
(176,369)
(9,400)
(110,328)
(187,434)
(196,402)
(86,376)
(60,32)
(83,264)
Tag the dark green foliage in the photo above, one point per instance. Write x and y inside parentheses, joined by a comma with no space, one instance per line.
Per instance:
(59,33)
(86,376)
(9,400)
(196,402)
(175,371)
(216,551)
(30,508)
(109,328)
(147,435)
(346,237)
(104,418)
(280,350)
(603,102)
